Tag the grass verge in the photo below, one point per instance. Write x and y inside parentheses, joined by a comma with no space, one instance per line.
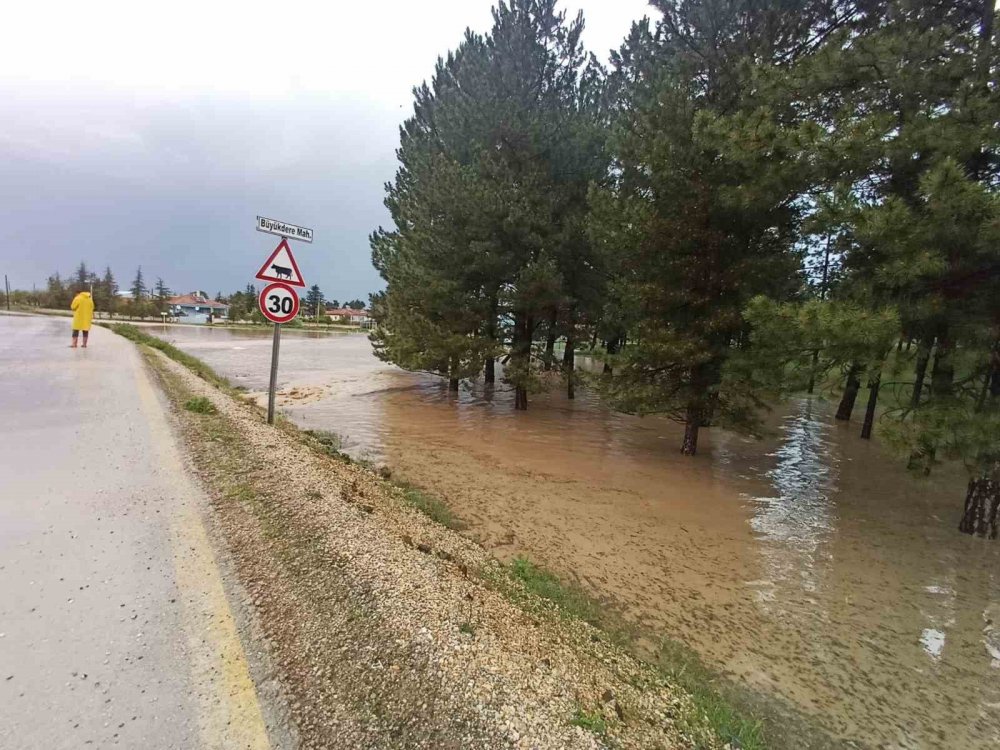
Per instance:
(431,506)
(200,405)
(330,442)
(679,665)
(722,705)
(592,722)
(195,365)
(683,667)
(572,601)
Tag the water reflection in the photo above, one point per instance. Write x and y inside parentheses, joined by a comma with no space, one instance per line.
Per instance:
(991,634)
(797,519)
(933,642)
(809,565)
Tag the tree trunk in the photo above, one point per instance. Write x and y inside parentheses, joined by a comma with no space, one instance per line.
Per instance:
(866,427)
(919,457)
(991,382)
(521,360)
(942,386)
(611,347)
(982,501)
(943,372)
(569,367)
(520,398)
(692,422)
(851,389)
(923,357)
(984,391)
(453,375)
(550,343)
(994,378)
(812,373)
(489,368)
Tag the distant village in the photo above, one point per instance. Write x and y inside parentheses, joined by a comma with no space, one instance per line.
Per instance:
(198,308)
(145,301)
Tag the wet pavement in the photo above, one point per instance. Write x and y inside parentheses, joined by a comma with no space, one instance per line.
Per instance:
(115,629)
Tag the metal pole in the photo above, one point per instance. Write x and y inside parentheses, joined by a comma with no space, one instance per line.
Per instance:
(274,373)
(6,285)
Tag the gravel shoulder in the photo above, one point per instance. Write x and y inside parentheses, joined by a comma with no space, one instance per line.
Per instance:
(389,630)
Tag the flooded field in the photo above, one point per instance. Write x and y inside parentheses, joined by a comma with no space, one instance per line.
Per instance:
(808,566)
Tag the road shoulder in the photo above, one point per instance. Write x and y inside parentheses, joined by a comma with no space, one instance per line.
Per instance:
(385,626)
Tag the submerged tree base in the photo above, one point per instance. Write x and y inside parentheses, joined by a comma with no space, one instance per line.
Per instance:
(520,398)
(689,447)
(982,504)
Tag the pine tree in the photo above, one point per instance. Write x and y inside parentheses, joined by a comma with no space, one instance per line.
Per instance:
(912,120)
(161,291)
(56,292)
(140,293)
(82,278)
(704,210)
(314,301)
(488,200)
(891,126)
(160,295)
(240,305)
(138,288)
(106,292)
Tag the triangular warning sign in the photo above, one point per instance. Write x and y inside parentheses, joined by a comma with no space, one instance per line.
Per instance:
(281,266)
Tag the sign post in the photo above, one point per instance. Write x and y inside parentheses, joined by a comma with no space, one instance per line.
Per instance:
(278,301)
(273,383)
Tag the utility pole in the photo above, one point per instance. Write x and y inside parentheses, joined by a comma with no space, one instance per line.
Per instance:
(6,285)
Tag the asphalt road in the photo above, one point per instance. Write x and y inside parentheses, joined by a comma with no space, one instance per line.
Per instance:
(115,629)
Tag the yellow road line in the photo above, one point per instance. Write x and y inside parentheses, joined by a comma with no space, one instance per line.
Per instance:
(230,715)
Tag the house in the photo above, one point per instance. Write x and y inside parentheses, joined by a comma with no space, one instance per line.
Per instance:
(349,316)
(197,308)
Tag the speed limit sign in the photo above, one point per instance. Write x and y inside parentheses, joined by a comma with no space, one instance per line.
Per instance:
(279,302)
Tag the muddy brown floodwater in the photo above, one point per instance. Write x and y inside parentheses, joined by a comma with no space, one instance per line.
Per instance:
(810,566)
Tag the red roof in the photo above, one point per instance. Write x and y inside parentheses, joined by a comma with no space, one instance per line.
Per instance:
(194,300)
(344,312)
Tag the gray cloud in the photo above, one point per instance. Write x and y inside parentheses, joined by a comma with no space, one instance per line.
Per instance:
(113,151)
(175,186)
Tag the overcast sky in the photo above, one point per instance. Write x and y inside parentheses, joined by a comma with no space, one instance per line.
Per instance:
(135,133)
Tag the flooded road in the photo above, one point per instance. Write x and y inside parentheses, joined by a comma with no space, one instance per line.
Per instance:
(808,565)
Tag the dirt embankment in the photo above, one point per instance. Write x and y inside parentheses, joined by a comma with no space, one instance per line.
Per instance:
(392,631)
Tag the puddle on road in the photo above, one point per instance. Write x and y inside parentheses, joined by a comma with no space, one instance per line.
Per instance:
(807,565)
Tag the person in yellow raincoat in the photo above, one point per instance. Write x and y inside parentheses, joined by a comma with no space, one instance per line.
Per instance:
(83,313)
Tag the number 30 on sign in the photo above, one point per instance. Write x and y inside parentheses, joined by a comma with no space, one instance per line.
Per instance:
(279,302)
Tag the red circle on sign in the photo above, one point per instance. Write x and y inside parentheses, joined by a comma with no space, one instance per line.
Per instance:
(278,302)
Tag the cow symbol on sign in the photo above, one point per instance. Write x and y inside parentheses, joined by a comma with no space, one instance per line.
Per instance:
(281,266)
